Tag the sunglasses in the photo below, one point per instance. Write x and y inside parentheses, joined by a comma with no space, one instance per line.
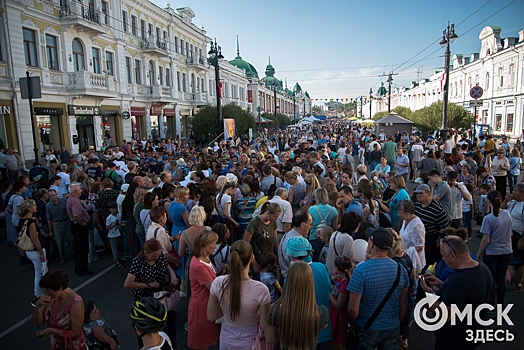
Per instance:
(445,240)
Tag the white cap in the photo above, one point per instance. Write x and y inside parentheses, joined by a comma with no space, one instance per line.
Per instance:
(124,188)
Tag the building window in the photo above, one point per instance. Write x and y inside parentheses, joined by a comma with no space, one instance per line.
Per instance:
(191,51)
(487,81)
(182,47)
(178,81)
(149,29)
(161,75)
(51,51)
(512,74)
(210,88)
(109,63)
(128,70)
(151,73)
(187,49)
(509,122)
(96,60)
(184,88)
(138,72)
(30,47)
(143,29)
(501,76)
(105,12)
(168,77)
(133,26)
(124,21)
(78,56)
(176,44)
(165,35)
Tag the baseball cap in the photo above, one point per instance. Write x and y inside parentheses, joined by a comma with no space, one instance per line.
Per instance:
(469,154)
(164,157)
(380,237)
(124,187)
(91,147)
(422,188)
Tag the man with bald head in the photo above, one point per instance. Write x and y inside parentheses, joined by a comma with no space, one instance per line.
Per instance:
(469,284)
(139,180)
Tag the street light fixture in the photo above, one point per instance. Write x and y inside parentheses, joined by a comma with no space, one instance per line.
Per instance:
(448,37)
(215,53)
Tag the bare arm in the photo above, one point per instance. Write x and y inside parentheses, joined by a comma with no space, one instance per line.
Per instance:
(353,305)
(338,302)
(483,245)
(99,334)
(182,245)
(214,311)
(130,283)
(185,216)
(290,195)
(247,236)
(403,303)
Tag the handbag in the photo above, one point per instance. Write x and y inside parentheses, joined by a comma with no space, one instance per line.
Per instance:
(384,220)
(23,241)
(168,295)
(354,332)
(171,252)
(259,343)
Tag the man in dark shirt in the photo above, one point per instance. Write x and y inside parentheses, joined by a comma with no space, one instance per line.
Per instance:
(79,220)
(94,171)
(59,224)
(434,219)
(470,283)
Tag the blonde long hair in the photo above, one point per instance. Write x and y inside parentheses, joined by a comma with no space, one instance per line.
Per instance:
(299,316)
(313,186)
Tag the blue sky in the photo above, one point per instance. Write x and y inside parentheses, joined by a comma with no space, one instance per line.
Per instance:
(337,48)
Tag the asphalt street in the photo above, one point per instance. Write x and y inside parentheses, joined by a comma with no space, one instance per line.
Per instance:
(105,288)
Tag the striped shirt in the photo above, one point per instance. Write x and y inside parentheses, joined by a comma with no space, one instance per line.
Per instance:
(434,219)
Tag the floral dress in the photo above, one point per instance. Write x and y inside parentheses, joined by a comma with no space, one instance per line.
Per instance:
(63,322)
(41,216)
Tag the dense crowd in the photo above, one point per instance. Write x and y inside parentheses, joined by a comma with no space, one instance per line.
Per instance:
(285,239)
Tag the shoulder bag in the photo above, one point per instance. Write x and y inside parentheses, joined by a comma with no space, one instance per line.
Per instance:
(354,332)
(23,241)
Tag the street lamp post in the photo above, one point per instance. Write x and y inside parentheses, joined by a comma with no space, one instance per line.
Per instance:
(215,52)
(448,37)
(370,99)
(275,99)
(305,107)
(294,109)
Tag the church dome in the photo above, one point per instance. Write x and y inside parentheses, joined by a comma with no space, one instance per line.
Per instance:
(245,65)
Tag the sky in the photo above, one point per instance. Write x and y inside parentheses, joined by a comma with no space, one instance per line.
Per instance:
(338,49)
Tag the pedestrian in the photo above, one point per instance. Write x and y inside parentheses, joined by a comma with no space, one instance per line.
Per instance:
(79,221)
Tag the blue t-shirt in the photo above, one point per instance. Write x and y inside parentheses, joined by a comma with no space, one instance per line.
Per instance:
(443,271)
(399,197)
(322,289)
(373,279)
(356,207)
(403,159)
(269,279)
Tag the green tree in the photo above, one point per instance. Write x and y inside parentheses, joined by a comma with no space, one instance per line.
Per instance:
(379,115)
(402,111)
(283,120)
(205,124)
(429,119)
(243,119)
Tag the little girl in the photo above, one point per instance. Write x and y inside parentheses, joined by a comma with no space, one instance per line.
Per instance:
(467,211)
(268,275)
(378,185)
(325,236)
(99,335)
(339,298)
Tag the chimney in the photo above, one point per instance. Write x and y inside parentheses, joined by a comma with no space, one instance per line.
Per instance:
(521,36)
(474,56)
(466,60)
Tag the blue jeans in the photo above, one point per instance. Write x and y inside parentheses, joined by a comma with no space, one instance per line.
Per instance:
(382,340)
(498,264)
(466,221)
(512,180)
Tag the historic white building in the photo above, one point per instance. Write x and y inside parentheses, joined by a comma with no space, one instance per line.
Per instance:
(498,68)
(109,70)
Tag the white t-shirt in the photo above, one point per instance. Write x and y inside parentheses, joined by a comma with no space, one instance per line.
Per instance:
(114,232)
(448,147)
(220,206)
(417,150)
(159,346)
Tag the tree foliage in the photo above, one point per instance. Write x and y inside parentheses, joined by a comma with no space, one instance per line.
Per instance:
(379,115)
(243,119)
(404,112)
(429,119)
(205,123)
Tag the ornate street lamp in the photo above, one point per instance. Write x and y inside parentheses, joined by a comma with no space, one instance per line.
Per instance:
(215,54)
(448,37)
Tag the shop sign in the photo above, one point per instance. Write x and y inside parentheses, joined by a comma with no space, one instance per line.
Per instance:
(109,113)
(5,110)
(169,112)
(83,110)
(156,109)
(138,111)
(48,111)
(126,115)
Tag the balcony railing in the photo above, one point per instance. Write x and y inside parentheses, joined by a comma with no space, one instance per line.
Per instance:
(77,15)
(84,80)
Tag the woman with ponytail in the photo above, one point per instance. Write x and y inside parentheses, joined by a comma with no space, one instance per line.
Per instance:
(243,302)
(495,247)
(224,204)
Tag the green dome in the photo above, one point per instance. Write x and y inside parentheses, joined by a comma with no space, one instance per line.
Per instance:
(245,65)
(297,88)
(307,95)
(289,92)
(382,90)
(270,80)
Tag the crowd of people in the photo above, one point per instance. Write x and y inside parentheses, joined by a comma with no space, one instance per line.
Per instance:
(282,239)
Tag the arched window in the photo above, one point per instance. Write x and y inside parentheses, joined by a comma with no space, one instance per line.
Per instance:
(78,56)
(460,88)
(151,72)
(512,74)
(487,81)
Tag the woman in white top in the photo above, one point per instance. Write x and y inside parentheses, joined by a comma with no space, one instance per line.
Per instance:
(224,205)
(499,170)
(413,233)
(243,302)
(156,230)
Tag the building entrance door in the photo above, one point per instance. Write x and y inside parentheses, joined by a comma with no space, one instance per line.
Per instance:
(86,133)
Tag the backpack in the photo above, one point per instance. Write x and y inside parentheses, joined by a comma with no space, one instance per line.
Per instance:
(184,169)
(322,224)
(109,175)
